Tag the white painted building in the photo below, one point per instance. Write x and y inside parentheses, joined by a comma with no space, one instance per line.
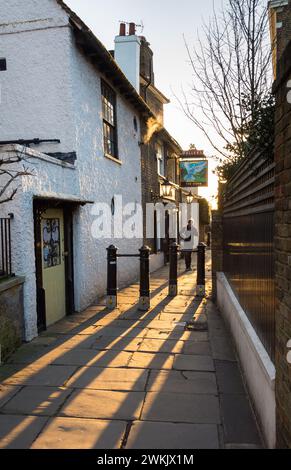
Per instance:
(55,77)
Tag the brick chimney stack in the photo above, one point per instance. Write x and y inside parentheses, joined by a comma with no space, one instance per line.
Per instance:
(132,29)
(122,30)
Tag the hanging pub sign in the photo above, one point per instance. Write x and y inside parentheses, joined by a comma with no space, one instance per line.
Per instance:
(194,173)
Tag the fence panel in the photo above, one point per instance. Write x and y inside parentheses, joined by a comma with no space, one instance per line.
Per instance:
(248,237)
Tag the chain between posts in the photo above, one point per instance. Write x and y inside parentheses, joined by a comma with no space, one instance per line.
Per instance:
(173,274)
(112,289)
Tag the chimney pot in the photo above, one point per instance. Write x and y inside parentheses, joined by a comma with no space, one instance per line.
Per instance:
(132,29)
(122,31)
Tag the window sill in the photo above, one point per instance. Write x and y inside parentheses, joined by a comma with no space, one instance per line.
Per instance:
(113,159)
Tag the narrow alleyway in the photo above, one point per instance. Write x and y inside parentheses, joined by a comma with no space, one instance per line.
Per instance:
(127,379)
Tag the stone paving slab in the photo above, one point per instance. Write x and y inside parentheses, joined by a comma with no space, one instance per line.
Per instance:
(7,392)
(110,331)
(28,353)
(44,340)
(176,317)
(137,315)
(8,370)
(182,408)
(94,358)
(99,371)
(52,376)
(42,401)
(218,329)
(193,362)
(110,379)
(104,405)
(164,325)
(201,348)
(48,356)
(222,349)
(82,329)
(182,382)
(151,361)
(160,346)
(76,342)
(93,309)
(63,328)
(229,378)
(238,420)
(176,309)
(120,323)
(146,435)
(177,335)
(19,432)
(188,292)
(73,433)
(117,344)
(89,313)
(109,314)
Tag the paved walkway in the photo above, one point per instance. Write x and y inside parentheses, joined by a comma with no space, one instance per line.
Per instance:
(125,379)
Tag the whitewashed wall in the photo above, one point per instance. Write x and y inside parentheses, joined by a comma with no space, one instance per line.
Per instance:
(48,177)
(51,91)
(107,178)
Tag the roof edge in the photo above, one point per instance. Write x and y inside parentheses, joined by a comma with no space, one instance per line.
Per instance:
(128,90)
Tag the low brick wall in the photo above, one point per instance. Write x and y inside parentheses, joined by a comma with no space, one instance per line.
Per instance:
(11,315)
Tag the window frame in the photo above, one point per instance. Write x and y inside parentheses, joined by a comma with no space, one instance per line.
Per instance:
(172,169)
(161,159)
(109,127)
(157,232)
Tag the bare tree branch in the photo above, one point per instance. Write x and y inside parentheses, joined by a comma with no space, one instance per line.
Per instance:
(9,175)
(231,62)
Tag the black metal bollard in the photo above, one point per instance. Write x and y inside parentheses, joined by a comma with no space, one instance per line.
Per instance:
(201,270)
(173,284)
(144,301)
(112,277)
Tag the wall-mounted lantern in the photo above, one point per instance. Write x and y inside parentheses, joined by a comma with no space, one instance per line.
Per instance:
(166,189)
(190,198)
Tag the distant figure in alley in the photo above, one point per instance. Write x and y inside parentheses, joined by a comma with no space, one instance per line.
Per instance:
(188,235)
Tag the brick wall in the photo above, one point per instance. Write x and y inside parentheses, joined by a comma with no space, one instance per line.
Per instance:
(149,168)
(283,249)
(146,61)
(283,33)
(149,179)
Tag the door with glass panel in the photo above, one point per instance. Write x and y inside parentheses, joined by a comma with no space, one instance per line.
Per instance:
(53,264)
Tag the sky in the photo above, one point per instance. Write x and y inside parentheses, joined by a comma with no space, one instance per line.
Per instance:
(166,24)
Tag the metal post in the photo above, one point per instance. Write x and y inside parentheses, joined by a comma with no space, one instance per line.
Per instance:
(173,284)
(209,239)
(112,277)
(144,301)
(201,270)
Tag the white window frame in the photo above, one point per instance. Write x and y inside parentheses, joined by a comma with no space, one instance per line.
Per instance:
(161,161)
